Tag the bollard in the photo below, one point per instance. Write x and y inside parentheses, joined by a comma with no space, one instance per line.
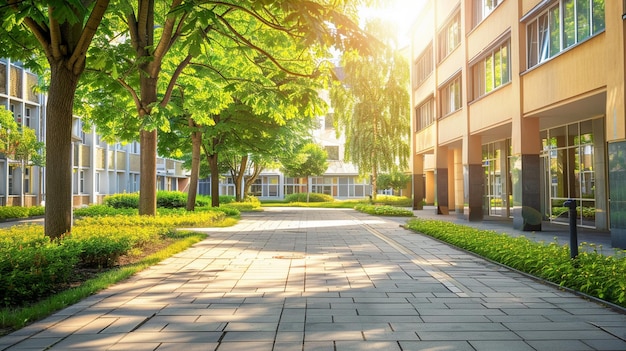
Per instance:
(573,230)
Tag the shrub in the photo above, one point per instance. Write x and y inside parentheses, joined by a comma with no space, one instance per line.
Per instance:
(383,210)
(103,210)
(36,211)
(31,266)
(399,201)
(171,199)
(591,272)
(122,200)
(7,212)
(313,197)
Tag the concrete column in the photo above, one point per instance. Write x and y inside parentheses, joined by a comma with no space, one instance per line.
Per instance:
(459,188)
(418,182)
(473,178)
(441,180)
(525,170)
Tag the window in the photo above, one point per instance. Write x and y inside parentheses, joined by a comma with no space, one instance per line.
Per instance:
(482,9)
(26,186)
(423,66)
(81,182)
(451,96)
(424,114)
(27,117)
(493,71)
(332,151)
(561,26)
(3,78)
(450,36)
(329,121)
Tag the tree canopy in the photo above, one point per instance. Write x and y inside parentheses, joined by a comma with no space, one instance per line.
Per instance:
(371,105)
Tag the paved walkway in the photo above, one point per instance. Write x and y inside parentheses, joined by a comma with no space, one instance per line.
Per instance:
(315,279)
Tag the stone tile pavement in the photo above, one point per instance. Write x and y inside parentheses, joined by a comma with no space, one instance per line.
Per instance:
(317,279)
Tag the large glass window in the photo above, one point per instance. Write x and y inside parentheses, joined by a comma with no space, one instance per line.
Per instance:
(492,72)
(482,9)
(451,96)
(423,66)
(569,153)
(564,24)
(424,114)
(449,36)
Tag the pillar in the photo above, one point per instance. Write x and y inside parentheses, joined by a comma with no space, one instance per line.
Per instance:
(441,180)
(474,177)
(418,182)
(525,175)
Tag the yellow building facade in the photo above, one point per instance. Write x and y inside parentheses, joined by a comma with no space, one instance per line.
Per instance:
(518,106)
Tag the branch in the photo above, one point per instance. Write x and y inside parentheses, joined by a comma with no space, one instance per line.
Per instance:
(132,92)
(261,51)
(167,37)
(55,36)
(77,61)
(261,19)
(170,87)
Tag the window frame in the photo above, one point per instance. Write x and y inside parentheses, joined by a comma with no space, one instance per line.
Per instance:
(451,96)
(544,23)
(478,10)
(449,36)
(423,66)
(479,70)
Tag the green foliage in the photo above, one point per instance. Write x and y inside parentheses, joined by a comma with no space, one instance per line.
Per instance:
(124,200)
(372,104)
(8,212)
(312,197)
(171,199)
(592,272)
(399,201)
(31,266)
(103,210)
(310,160)
(395,180)
(384,210)
(36,211)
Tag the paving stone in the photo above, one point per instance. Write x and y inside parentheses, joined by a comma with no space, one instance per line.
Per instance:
(315,279)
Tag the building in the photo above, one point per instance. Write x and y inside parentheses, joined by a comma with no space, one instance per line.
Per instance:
(519,106)
(99,169)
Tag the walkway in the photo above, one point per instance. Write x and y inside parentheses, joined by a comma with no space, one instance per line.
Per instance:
(315,279)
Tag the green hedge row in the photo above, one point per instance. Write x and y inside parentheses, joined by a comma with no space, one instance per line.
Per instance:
(384,210)
(10,212)
(32,266)
(592,272)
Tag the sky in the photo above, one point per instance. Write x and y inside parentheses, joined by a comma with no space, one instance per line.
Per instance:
(400,12)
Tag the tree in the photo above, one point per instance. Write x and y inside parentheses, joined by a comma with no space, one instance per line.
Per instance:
(255,31)
(395,180)
(61,31)
(372,108)
(310,160)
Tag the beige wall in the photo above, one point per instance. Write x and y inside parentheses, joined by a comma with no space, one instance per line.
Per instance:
(452,127)
(573,73)
(492,110)
(425,139)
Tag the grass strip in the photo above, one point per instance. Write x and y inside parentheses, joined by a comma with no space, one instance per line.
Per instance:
(593,273)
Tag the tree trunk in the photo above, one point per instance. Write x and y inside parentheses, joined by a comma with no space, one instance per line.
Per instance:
(215,180)
(147,185)
(196,140)
(374,183)
(58,183)
(148,147)
(239,187)
(251,179)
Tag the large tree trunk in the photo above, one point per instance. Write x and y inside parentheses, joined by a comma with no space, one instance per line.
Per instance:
(215,180)
(58,216)
(147,169)
(374,183)
(148,145)
(196,140)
